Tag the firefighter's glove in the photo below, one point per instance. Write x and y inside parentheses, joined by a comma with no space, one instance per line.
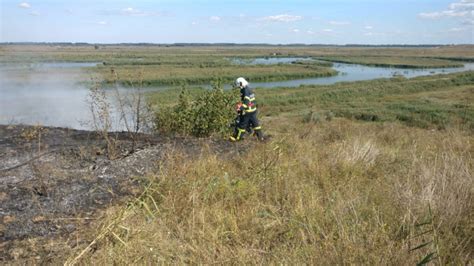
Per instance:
(238,108)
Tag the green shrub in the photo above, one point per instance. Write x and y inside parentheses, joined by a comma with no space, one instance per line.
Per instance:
(208,113)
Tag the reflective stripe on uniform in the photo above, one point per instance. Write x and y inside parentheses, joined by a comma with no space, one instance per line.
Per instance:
(257,128)
(239,134)
(250,99)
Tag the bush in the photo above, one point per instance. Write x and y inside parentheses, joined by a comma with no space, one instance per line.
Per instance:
(209,113)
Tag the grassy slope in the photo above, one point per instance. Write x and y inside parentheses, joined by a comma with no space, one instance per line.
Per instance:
(336,193)
(328,192)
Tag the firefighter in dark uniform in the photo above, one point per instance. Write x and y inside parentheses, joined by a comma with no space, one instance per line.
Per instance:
(247,111)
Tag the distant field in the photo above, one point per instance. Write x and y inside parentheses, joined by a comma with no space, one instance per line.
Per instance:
(174,75)
(160,65)
(13,53)
(394,61)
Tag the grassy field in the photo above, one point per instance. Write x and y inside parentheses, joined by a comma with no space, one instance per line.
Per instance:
(327,189)
(427,102)
(394,61)
(175,75)
(21,53)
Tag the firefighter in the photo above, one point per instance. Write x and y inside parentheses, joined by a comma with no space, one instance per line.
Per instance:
(247,111)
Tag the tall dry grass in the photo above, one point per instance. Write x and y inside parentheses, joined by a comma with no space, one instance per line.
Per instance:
(334,193)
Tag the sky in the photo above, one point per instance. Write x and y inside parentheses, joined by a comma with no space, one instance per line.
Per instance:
(243,21)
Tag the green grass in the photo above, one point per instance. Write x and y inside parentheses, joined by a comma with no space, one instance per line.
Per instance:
(157,54)
(394,61)
(155,75)
(428,102)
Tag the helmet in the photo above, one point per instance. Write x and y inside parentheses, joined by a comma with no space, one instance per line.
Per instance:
(241,82)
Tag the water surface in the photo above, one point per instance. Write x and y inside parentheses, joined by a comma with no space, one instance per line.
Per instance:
(55,94)
(354,72)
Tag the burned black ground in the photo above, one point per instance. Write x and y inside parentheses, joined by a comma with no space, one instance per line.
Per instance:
(56,181)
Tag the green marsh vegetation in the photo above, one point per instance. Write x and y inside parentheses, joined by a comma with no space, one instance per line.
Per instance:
(427,102)
(175,75)
(394,61)
(172,65)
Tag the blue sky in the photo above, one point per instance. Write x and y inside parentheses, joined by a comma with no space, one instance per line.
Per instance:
(243,21)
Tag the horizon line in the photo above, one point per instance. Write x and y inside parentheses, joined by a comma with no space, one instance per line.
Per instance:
(226,44)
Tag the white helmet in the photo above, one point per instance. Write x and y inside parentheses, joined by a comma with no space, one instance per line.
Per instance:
(241,82)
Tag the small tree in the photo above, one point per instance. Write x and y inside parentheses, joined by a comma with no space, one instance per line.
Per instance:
(209,113)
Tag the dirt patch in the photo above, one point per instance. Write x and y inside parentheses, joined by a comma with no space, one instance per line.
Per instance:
(54,181)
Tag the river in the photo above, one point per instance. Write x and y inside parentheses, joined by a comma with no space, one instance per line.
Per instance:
(54,94)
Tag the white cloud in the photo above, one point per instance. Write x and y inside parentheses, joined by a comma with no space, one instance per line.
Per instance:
(368,27)
(328,30)
(459,9)
(310,32)
(194,23)
(339,23)
(467,5)
(295,30)
(130,11)
(443,14)
(456,29)
(102,23)
(24,5)
(282,18)
(368,34)
(34,13)
(215,18)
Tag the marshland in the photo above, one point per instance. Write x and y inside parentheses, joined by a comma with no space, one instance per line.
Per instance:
(108,157)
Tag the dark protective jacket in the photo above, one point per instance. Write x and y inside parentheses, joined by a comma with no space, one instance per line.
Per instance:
(248,116)
(249,105)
